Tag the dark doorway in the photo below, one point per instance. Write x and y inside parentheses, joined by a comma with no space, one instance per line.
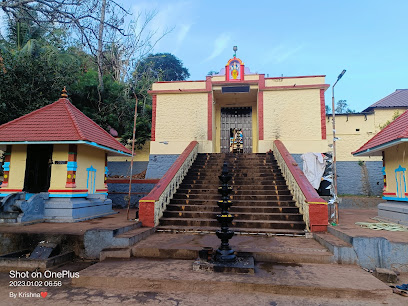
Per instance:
(38,168)
(236,118)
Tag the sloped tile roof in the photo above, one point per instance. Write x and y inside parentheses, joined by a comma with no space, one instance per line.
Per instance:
(59,121)
(397,129)
(399,98)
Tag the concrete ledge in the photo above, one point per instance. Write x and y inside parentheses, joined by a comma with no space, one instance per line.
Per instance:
(396,212)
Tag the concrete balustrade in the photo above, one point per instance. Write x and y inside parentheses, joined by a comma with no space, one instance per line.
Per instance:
(152,206)
(311,205)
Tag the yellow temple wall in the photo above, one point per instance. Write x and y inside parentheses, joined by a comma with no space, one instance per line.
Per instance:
(17,167)
(294,117)
(288,81)
(395,157)
(88,156)
(382,115)
(59,172)
(180,119)
(140,154)
(351,139)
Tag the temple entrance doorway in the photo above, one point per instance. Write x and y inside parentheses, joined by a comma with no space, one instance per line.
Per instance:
(38,168)
(236,130)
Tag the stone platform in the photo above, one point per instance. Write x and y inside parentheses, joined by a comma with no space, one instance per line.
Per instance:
(169,275)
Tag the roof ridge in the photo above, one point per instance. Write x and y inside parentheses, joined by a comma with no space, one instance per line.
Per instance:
(74,121)
(384,130)
(93,122)
(31,113)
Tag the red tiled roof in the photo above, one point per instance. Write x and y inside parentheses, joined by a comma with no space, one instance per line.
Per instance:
(59,121)
(399,98)
(395,130)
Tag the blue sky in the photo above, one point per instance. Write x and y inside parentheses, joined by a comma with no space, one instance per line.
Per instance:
(368,38)
(292,38)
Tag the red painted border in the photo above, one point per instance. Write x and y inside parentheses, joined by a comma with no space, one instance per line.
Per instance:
(126,181)
(311,86)
(157,190)
(101,190)
(209,107)
(322,114)
(318,211)
(12,190)
(260,110)
(391,193)
(154,105)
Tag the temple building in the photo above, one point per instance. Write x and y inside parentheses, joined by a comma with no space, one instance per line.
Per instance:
(55,166)
(259,108)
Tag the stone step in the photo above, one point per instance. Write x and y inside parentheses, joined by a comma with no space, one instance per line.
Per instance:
(234,192)
(135,235)
(200,229)
(234,209)
(342,251)
(266,224)
(250,216)
(238,181)
(217,197)
(121,243)
(281,203)
(233,167)
(235,187)
(235,176)
(267,249)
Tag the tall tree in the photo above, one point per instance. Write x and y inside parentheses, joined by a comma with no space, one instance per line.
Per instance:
(342,107)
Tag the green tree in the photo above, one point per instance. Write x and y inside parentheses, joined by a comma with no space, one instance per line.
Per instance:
(394,116)
(342,108)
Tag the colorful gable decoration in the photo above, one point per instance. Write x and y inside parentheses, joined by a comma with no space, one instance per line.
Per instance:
(234,70)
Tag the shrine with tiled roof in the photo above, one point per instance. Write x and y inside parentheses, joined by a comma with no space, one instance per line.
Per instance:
(61,154)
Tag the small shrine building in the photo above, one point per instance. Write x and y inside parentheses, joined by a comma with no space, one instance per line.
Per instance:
(56,159)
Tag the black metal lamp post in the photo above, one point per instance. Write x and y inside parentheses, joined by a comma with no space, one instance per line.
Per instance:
(224,253)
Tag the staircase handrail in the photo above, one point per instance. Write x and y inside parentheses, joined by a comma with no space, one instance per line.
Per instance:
(152,206)
(310,204)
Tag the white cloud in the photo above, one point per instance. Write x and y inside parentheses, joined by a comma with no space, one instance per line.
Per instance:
(281,53)
(174,18)
(221,42)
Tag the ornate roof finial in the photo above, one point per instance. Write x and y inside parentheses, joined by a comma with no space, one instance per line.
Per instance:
(235,48)
(64,93)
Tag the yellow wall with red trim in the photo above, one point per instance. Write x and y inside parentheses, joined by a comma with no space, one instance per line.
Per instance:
(294,117)
(355,130)
(180,119)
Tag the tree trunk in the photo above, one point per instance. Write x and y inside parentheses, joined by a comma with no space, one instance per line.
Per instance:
(99,55)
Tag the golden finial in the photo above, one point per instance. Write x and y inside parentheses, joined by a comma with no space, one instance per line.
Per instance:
(64,93)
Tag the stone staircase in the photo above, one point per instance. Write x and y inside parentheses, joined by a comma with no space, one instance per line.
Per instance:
(262,203)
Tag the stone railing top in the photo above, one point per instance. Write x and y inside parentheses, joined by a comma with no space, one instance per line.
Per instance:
(312,197)
(161,186)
